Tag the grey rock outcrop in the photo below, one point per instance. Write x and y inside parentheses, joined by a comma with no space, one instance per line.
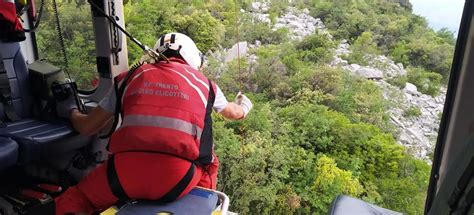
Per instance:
(300,24)
(411,89)
(259,7)
(417,131)
(389,67)
(370,73)
(259,17)
(238,49)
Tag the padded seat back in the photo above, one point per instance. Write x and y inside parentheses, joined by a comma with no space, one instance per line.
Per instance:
(36,139)
(8,152)
(17,74)
(197,202)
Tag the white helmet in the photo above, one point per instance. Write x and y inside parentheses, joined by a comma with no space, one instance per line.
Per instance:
(184,45)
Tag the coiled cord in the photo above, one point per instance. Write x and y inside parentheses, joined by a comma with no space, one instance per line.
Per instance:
(38,19)
(61,38)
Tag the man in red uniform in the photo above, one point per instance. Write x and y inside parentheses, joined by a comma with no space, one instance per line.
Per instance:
(11,29)
(163,148)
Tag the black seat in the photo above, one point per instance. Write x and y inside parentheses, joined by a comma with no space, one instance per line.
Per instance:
(15,70)
(35,138)
(347,205)
(8,152)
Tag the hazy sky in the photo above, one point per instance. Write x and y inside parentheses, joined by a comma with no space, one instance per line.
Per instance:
(440,13)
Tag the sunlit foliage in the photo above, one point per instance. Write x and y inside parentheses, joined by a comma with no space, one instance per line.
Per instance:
(315,132)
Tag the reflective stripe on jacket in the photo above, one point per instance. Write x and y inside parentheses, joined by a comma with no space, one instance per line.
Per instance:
(164,110)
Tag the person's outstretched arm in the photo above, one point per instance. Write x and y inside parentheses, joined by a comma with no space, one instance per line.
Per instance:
(232,110)
(92,123)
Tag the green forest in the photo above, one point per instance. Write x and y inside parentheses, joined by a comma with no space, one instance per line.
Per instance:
(315,131)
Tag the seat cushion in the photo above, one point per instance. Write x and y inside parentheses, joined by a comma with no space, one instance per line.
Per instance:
(8,152)
(34,136)
(198,202)
(347,205)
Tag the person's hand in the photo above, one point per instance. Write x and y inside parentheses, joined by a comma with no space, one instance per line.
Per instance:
(244,102)
(64,108)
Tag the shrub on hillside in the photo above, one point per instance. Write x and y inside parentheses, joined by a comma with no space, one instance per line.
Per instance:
(206,31)
(315,48)
(261,31)
(330,181)
(427,82)
(412,111)
(363,47)
(361,101)
(399,81)
(428,52)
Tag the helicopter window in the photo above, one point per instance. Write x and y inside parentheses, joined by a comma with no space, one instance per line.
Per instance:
(78,58)
(347,94)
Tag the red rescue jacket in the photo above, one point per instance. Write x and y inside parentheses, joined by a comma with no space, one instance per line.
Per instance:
(166,108)
(11,29)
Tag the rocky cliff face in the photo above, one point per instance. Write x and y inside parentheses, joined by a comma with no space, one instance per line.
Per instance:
(417,132)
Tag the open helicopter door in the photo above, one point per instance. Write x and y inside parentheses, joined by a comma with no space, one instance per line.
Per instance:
(111,46)
(451,188)
(111,57)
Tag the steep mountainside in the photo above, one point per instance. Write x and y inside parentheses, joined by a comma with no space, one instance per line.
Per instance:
(416,115)
(347,94)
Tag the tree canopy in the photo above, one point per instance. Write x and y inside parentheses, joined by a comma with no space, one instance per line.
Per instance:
(315,132)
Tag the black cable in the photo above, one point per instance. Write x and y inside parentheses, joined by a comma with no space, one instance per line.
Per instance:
(38,19)
(115,34)
(112,20)
(61,39)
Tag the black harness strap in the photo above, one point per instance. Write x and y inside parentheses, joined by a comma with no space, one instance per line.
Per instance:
(8,107)
(174,193)
(205,153)
(119,192)
(6,98)
(119,90)
(206,141)
(114,182)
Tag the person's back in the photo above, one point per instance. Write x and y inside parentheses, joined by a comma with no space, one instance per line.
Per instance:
(164,107)
(163,147)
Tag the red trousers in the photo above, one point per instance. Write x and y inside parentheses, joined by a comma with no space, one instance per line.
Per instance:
(142,176)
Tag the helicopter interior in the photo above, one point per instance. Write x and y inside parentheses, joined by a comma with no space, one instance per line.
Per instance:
(37,147)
